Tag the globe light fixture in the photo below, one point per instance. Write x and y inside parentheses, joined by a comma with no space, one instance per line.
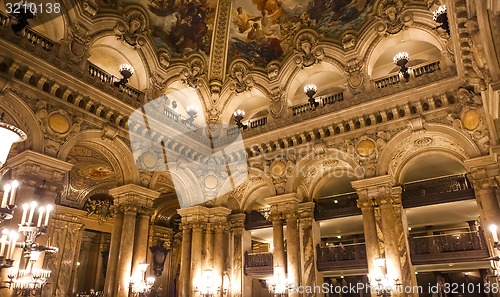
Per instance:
(310,90)
(441,16)
(126,71)
(401,59)
(238,117)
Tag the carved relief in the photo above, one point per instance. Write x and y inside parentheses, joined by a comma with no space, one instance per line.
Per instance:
(79,44)
(191,75)
(348,41)
(356,78)
(309,51)
(132,29)
(392,17)
(242,80)
(164,58)
(273,71)
(277,103)
(90,7)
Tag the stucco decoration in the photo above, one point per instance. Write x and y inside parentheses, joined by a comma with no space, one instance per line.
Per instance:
(392,17)
(242,80)
(132,28)
(192,74)
(277,103)
(309,53)
(356,77)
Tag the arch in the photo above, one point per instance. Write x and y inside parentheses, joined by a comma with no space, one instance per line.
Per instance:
(435,138)
(116,147)
(24,118)
(251,102)
(314,167)
(411,34)
(430,164)
(258,186)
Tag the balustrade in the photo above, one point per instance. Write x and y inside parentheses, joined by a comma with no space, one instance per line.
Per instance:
(254,123)
(258,263)
(341,256)
(387,81)
(426,68)
(336,206)
(38,39)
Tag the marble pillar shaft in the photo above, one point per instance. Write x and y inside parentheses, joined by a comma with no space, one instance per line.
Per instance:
(293,261)
(309,273)
(279,258)
(489,208)
(114,252)
(208,249)
(140,242)
(219,255)
(196,257)
(391,247)
(237,263)
(124,267)
(371,240)
(185,267)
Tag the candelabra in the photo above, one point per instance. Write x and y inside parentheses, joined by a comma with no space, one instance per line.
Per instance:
(380,281)
(27,281)
(238,117)
(207,286)
(310,90)
(493,230)
(441,16)
(23,11)
(140,285)
(192,111)
(401,59)
(126,71)
(278,285)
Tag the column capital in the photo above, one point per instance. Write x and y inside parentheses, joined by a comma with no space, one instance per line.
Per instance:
(283,206)
(237,220)
(194,214)
(374,187)
(164,234)
(394,197)
(485,183)
(134,195)
(306,210)
(484,166)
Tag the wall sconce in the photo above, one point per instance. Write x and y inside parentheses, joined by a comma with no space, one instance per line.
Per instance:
(192,112)
(22,11)
(493,230)
(126,71)
(310,90)
(381,281)
(441,16)
(238,117)
(401,59)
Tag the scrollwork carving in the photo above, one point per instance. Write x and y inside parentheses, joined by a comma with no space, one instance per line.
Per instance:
(132,29)
(309,52)
(242,80)
(191,75)
(392,17)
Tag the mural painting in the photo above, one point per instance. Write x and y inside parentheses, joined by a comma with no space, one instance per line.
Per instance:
(262,30)
(182,26)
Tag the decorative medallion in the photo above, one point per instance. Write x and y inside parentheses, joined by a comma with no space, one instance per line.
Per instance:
(471,119)
(59,123)
(366,147)
(278,168)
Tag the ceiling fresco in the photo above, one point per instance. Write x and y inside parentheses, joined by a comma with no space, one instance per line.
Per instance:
(183,26)
(263,30)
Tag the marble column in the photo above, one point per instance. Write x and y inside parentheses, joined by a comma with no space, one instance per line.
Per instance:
(196,257)
(103,246)
(65,233)
(185,267)
(141,240)
(308,236)
(391,248)
(114,252)
(208,247)
(124,266)
(220,247)
(237,223)
(293,260)
(370,232)
(279,257)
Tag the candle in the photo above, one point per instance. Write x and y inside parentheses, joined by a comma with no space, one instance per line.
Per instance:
(25,212)
(6,190)
(49,208)
(15,185)
(32,210)
(3,242)
(12,245)
(40,215)
(493,230)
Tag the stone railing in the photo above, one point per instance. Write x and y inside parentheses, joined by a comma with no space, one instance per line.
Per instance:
(301,108)
(343,256)
(38,39)
(451,246)
(331,98)
(437,190)
(4,19)
(336,206)
(108,78)
(426,68)
(254,123)
(387,81)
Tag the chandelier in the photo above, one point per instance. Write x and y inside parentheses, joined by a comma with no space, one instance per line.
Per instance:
(28,280)
(380,281)
(140,285)
(310,90)
(207,286)
(278,285)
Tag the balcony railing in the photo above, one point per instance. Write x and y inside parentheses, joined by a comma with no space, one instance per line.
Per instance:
(387,81)
(110,79)
(38,39)
(415,72)
(336,206)
(341,256)
(426,68)
(437,190)
(257,219)
(324,100)
(254,123)
(457,247)
(258,263)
